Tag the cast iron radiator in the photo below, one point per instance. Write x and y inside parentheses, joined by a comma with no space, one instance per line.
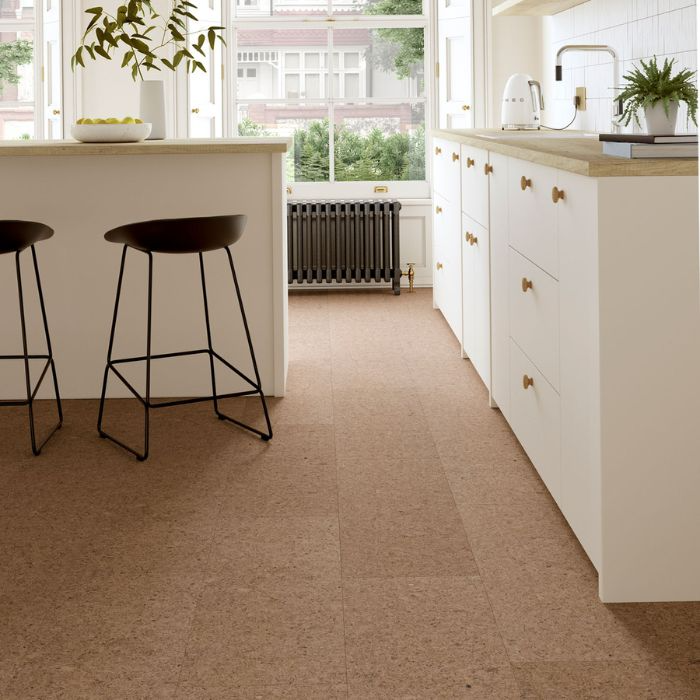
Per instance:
(344,241)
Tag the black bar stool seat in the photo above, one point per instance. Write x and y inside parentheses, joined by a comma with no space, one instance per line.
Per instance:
(15,237)
(181,236)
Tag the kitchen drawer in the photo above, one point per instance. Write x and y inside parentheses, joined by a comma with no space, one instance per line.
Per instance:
(447,271)
(533,213)
(533,298)
(475,184)
(535,419)
(446,169)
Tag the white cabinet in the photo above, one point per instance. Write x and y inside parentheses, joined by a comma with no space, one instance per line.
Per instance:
(475,183)
(476,318)
(446,175)
(447,287)
(455,73)
(449,9)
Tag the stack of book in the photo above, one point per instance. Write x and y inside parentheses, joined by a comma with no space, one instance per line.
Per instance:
(649,146)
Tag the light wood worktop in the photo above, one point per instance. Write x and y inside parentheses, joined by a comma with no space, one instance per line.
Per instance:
(583,156)
(145,148)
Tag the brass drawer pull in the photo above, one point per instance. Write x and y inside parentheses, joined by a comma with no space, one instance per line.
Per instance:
(438,150)
(471,238)
(438,210)
(488,168)
(557,195)
(381,188)
(470,162)
(525,182)
(455,156)
(466,108)
(526,284)
(195,110)
(527,382)
(439,266)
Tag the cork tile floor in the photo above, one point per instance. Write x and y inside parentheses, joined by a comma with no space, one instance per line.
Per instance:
(392,541)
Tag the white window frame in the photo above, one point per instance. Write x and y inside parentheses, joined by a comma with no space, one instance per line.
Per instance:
(412,189)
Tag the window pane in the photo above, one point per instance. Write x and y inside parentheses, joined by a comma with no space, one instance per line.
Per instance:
(17,10)
(278,56)
(391,61)
(352,85)
(379,142)
(308,160)
(280,8)
(16,84)
(378,7)
(312,60)
(313,85)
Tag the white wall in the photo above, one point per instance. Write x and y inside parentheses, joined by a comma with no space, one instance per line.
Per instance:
(516,47)
(635,29)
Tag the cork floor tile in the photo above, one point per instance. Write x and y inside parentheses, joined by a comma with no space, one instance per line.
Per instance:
(423,638)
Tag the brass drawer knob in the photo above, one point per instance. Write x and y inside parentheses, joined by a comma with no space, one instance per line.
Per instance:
(488,168)
(438,210)
(471,238)
(466,108)
(526,284)
(525,182)
(557,195)
(455,156)
(195,110)
(56,112)
(470,162)
(439,266)
(438,150)
(527,382)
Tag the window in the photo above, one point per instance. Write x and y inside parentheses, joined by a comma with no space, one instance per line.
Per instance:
(351,92)
(17,63)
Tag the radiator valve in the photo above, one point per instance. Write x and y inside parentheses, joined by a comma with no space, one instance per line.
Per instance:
(411,274)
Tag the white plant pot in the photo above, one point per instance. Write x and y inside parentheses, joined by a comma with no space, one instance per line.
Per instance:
(658,123)
(153,107)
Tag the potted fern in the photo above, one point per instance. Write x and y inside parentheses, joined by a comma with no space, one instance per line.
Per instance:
(150,42)
(658,92)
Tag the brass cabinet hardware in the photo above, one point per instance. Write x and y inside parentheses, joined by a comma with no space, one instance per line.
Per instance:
(488,168)
(527,382)
(56,112)
(439,266)
(526,284)
(470,162)
(381,188)
(289,190)
(525,182)
(411,274)
(471,238)
(195,110)
(557,194)
(466,108)
(438,210)
(438,150)
(455,156)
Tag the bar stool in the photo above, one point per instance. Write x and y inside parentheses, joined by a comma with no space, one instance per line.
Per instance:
(180,236)
(15,237)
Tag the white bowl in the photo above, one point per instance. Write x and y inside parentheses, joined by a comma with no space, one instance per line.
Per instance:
(110,133)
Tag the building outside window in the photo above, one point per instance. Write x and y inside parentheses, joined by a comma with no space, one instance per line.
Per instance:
(351,91)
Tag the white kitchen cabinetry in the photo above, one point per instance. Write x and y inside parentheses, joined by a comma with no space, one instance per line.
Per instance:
(582,316)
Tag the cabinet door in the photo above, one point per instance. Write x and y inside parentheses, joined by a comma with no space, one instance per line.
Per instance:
(446,170)
(498,230)
(476,307)
(449,9)
(475,184)
(533,222)
(206,89)
(455,74)
(448,263)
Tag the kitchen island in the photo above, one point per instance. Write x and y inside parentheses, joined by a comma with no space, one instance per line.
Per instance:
(82,191)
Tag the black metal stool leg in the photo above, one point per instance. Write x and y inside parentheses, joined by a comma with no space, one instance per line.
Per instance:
(267,436)
(110,366)
(25,352)
(209,342)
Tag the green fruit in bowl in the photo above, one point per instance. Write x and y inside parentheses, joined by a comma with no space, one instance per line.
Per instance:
(99,121)
(128,120)
(86,121)
(139,121)
(112,120)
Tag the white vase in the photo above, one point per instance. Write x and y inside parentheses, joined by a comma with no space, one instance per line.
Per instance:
(153,107)
(658,122)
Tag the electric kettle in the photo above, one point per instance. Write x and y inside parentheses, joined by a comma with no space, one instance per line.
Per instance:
(522,103)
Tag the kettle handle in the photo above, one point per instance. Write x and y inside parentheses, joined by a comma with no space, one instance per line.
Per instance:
(533,83)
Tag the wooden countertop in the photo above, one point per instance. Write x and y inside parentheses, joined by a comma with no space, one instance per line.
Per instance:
(583,155)
(145,148)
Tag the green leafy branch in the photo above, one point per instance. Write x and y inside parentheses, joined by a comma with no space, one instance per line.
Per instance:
(133,28)
(12,55)
(651,84)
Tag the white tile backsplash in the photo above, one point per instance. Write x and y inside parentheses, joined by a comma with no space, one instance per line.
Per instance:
(636,29)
